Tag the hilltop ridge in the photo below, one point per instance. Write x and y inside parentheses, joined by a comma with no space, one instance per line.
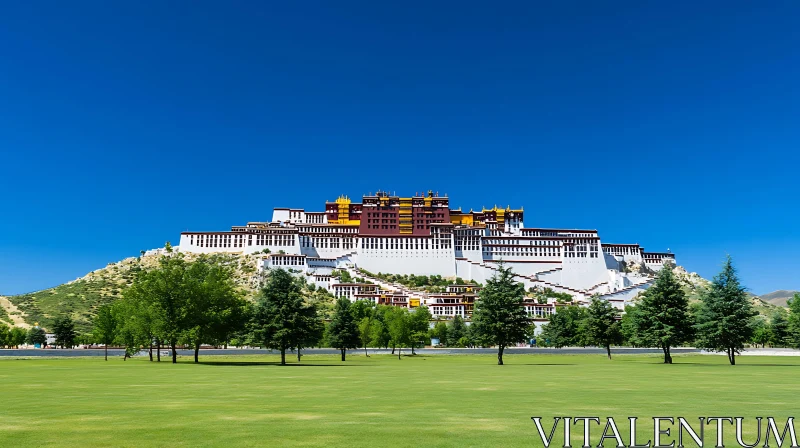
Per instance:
(81,297)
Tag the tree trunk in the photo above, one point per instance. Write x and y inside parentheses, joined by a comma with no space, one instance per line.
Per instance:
(196,352)
(151,352)
(298,354)
(398,352)
(608,351)
(174,352)
(500,355)
(106,352)
(283,356)
(732,356)
(158,350)
(667,355)
(393,349)
(343,350)
(365,352)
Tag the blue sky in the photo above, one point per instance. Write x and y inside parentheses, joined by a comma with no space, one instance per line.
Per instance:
(672,124)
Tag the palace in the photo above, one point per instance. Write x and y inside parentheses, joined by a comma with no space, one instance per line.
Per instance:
(422,235)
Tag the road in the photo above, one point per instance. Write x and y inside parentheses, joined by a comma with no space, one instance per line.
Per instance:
(330,351)
(424,351)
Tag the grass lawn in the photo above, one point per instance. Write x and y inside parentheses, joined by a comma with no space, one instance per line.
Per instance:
(378,401)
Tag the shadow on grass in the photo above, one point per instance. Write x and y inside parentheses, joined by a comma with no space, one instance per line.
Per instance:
(541,364)
(706,364)
(268,363)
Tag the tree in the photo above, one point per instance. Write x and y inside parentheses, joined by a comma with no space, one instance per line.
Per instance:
(500,317)
(662,318)
(601,325)
(794,321)
(779,329)
(725,317)
(564,327)
(399,328)
(311,330)
(167,291)
(64,331)
(17,336)
(343,332)
(36,335)
(380,327)
(105,327)
(440,332)
(762,334)
(457,331)
(281,318)
(366,332)
(364,313)
(628,325)
(214,308)
(5,336)
(419,322)
(140,319)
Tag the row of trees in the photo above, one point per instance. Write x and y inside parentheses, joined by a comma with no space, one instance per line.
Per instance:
(12,337)
(723,321)
(179,302)
(194,303)
(63,329)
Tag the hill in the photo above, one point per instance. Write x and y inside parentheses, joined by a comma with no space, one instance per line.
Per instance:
(780,297)
(81,297)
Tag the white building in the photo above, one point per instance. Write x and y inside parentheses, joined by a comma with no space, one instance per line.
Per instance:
(421,235)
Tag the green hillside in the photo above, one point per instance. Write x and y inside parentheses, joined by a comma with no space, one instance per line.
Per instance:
(81,298)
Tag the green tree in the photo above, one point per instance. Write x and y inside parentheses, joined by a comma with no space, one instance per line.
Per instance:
(141,319)
(343,332)
(17,336)
(214,309)
(662,318)
(419,322)
(64,331)
(311,330)
(281,318)
(500,317)
(440,332)
(167,289)
(380,326)
(601,325)
(628,325)
(5,336)
(564,327)
(794,321)
(457,331)
(106,327)
(365,313)
(779,329)
(36,335)
(762,334)
(725,318)
(399,328)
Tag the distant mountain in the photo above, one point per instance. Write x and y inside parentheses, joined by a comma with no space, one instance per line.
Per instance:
(779,297)
(694,286)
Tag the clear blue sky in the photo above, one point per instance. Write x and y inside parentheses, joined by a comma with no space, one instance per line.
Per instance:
(671,124)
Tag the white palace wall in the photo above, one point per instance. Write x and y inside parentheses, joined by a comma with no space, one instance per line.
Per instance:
(408,261)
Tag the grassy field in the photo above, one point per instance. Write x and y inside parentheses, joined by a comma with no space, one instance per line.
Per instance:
(377,401)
